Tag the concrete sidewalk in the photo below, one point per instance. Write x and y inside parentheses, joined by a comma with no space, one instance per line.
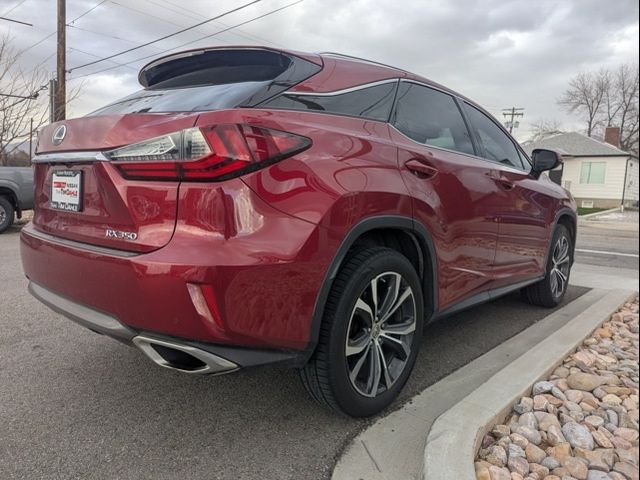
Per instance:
(393,447)
(596,276)
(617,220)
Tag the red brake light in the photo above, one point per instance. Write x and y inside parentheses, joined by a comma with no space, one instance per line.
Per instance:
(207,154)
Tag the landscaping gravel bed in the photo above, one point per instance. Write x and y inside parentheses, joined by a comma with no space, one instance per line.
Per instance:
(579,424)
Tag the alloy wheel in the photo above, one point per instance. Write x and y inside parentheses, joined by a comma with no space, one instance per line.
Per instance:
(560,263)
(3,215)
(380,334)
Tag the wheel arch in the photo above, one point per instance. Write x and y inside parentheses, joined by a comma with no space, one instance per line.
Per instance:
(567,217)
(10,195)
(398,232)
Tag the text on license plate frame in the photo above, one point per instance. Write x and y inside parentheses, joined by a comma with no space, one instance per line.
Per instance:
(66,190)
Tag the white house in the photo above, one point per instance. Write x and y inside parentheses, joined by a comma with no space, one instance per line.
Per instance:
(596,173)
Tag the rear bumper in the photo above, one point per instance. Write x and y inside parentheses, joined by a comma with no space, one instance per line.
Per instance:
(214,359)
(87,317)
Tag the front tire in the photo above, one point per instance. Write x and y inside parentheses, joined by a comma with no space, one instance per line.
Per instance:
(7,213)
(550,291)
(370,334)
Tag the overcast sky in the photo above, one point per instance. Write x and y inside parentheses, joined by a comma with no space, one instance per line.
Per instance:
(501,53)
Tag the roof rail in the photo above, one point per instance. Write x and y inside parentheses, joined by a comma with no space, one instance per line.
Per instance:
(359,59)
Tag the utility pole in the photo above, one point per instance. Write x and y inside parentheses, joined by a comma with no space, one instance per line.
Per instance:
(53,91)
(60,102)
(512,113)
(31,140)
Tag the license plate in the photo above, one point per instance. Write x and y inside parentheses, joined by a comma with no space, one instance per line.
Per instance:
(66,190)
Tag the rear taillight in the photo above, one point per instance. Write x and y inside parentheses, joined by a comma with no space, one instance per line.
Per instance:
(206,154)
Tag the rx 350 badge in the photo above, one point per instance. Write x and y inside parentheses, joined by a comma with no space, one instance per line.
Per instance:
(120,235)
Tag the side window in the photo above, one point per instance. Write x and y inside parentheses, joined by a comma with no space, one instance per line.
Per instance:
(431,117)
(372,102)
(497,146)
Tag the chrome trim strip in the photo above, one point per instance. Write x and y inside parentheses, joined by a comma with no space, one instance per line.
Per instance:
(70,157)
(213,363)
(81,314)
(78,245)
(343,91)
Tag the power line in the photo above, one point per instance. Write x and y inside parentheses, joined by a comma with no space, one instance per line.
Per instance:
(192,41)
(53,33)
(232,27)
(74,49)
(106,35)
(16,21)
(196,16)
(164,20)
(166,36)
(44,87)
(7,107)
(36,44)
(43,62)
(86,13)
(146,14)
(13,8)
(24,97)
(21,98)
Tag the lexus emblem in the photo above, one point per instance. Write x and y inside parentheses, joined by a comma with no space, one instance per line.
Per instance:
(58,135)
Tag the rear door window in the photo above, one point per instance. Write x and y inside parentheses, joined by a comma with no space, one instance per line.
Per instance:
(496,145)
(369,102)
(431,117)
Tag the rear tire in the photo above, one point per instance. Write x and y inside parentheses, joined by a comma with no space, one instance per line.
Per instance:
(367,348)
(550,291)
(7,214)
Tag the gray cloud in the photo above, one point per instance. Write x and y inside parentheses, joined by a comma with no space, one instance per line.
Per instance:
(500,53)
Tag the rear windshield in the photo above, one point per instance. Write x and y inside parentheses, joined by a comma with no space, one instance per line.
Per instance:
(190,99)
(213,79)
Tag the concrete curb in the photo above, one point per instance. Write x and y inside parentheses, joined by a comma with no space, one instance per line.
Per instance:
(595,214)
(455,436)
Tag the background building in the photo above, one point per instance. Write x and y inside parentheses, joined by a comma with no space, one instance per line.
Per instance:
(598,174)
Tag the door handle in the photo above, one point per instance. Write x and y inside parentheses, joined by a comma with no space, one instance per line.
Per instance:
(420,168)
(505,183)
(501,180)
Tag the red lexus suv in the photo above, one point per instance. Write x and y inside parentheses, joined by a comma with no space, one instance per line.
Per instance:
(253,206)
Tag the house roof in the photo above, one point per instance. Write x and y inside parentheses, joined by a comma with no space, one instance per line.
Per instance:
(577,145)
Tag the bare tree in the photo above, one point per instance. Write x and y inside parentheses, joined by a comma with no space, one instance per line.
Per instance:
(607,98)
(20,101)
(543,128)
(586,96)
(624,102)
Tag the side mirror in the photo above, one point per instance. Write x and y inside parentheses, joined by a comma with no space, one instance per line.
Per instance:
(544,160)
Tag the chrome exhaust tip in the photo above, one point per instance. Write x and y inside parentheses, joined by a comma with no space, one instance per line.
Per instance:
(183,358)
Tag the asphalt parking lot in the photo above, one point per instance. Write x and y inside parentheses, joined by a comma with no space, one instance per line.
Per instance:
(74,404)
(611,241)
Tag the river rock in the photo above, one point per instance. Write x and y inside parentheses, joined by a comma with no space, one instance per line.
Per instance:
(578,436)
(583,381)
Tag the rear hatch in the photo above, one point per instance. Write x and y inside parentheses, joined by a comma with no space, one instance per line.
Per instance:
(80,195)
